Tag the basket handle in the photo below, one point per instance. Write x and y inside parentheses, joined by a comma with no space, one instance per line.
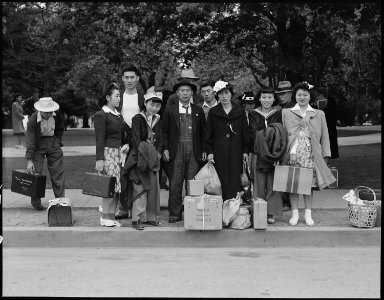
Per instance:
(365,187)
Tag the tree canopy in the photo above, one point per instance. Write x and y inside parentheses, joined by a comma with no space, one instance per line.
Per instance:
(74,49)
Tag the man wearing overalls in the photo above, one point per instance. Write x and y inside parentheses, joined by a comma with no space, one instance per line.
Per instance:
(183,144)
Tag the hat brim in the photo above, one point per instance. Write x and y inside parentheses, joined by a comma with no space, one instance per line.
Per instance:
(193,78)
(46,109)
(179,84)
(154,99)
(283,91)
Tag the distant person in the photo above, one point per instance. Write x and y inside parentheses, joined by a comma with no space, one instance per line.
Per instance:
(284,95)
(183,144)
(266,143)
(110,144)
(330,110)
(206,90)
(17,120)
(227,139)
(130,104)
(143,162)
(44,131)
(187,75)
(308,146)
(247,101)
(29,102)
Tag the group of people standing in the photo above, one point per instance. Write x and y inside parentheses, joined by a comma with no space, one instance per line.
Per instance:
(137,135)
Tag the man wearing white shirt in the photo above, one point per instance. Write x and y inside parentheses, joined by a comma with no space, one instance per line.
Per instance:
(131,103)
(206,90)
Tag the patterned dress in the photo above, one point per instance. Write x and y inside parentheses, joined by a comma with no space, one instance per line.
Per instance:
(112,165)
(304,151)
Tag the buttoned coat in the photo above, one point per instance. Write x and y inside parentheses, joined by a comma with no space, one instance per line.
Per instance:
(228,145)
(171,127)
(17,118)
(319,138)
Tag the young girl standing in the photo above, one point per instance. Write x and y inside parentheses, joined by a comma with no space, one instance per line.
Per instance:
(308,146)
(143,163)
(265,113)
(109,132)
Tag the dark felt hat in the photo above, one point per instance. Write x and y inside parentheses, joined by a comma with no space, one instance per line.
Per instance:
(184,82)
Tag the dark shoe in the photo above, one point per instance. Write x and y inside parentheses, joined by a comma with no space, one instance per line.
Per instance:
(137,225)
(153,223)
(120,217)
(38,207)
(174,219)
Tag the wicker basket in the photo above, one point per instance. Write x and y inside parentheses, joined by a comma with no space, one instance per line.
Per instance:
(363,216)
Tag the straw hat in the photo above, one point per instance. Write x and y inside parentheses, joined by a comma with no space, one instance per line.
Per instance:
(283,86)
(46,104)
(188,74)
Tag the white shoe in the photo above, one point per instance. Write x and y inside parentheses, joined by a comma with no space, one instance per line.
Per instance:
(308,218)
(295,217)
(109,223)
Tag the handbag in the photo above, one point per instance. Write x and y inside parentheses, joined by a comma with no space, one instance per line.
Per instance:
(99,185)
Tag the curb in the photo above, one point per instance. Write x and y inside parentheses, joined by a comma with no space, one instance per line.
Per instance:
(179,237)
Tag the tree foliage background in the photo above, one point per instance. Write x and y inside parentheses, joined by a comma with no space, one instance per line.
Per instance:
(72,50)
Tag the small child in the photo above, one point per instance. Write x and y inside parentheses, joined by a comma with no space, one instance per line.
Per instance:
(143,163)
(265,114)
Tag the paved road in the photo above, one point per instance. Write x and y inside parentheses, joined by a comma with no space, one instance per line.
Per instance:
(347,272)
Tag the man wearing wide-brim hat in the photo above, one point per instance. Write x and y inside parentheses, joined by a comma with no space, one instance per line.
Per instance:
(187,75)
(284,94)
(183,144)
(44,131)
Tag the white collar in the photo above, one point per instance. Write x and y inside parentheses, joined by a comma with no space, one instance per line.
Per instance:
(181,106)
(297,107)
(39,117)
(205,104)
(108,110)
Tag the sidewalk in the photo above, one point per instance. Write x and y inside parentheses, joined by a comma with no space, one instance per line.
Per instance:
(25,227)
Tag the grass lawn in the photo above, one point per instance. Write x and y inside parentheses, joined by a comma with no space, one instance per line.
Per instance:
(343,133)
(357,165)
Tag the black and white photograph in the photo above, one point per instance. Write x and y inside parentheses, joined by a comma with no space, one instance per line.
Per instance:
(191,149)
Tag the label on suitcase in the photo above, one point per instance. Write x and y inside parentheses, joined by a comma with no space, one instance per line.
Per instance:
(29,184)
(99,185)
(335,174)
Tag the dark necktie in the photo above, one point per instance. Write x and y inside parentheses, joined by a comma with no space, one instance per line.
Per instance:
(186,109)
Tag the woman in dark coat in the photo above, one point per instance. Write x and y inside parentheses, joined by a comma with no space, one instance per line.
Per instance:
(17,120)
(227,139)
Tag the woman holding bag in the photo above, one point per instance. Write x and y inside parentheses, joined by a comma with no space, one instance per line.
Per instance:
(308,146)
(227,139)
(110,138)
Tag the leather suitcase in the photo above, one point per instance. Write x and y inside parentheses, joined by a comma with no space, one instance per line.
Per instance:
(99,185)
(29,184)
(59,215)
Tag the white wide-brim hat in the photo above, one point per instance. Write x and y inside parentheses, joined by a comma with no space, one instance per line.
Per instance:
(46,104)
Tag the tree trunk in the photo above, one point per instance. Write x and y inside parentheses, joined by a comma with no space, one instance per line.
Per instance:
(85,120)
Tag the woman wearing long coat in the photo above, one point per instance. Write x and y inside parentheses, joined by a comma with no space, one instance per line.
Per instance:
(227,140)
(17,120)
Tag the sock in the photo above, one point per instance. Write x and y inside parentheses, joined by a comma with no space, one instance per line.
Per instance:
(295,217)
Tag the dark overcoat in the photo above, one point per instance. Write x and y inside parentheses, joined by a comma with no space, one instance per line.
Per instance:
(228,145)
